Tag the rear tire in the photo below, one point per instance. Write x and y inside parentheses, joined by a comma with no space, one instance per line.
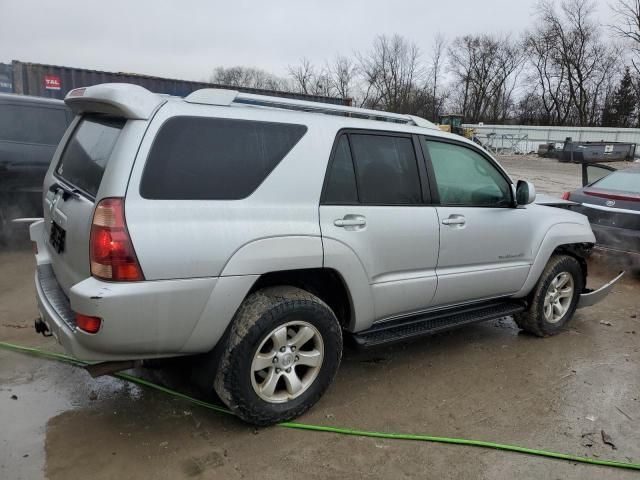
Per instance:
(555,297)
(280,356)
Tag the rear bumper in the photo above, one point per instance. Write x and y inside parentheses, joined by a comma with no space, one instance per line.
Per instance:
(139,320)
(620,239)
(55,311)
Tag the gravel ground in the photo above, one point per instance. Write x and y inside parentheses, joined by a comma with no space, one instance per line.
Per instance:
(547,174)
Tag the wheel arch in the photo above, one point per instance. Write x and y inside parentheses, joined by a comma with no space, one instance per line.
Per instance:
(579,251)
(567,238)
(325,283)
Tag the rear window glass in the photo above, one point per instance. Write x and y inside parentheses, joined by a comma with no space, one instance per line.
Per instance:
(32,124)
(621,181)
(197,158)
(87,152)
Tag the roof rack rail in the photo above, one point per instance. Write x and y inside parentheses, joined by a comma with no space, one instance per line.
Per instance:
(217,96)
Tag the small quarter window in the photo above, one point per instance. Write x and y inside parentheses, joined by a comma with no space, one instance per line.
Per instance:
(341,179)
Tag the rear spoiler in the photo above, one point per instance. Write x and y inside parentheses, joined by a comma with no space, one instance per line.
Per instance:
(122,99)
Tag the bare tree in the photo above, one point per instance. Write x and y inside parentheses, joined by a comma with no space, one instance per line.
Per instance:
(627,12)
(392,71)
(438,53)
(548,77)
(575,68)
(484,67)
(249,77)
(343,73)
(302,75)
(306,78)
(561,72)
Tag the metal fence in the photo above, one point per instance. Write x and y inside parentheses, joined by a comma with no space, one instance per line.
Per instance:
(522,139)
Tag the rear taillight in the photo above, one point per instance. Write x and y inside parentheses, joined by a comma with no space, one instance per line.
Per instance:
(111,252)
(565,196)
(87,323)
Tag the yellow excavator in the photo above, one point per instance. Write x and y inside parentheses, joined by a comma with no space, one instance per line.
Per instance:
(452,123)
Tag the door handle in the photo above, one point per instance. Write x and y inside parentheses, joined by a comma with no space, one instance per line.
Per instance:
(350,221)
(454,220)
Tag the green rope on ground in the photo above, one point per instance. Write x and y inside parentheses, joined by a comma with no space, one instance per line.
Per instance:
(328,429)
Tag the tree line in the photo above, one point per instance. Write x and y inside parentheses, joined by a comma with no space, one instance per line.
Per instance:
(568,69)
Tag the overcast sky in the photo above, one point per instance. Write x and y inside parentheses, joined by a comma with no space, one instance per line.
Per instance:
(187,39)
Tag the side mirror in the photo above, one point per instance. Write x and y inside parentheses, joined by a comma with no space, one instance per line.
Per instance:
(525,193)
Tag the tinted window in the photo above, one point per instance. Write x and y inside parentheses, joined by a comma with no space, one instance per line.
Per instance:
(386,169)
(621,181)
(464,177)
(215,159)
(341,179)
(31,124)
(87,152)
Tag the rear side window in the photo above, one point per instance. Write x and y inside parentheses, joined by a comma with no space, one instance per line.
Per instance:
(386,170)
(86,154)
(196,158)
(32,124)
(621,181)
(341,179)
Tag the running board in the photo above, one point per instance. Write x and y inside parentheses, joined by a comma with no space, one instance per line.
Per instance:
(408,328)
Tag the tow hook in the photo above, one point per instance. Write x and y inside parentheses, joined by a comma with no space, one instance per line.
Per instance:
(42,328)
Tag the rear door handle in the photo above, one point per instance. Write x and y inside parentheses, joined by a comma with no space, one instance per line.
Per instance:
(454,220)
(350,221)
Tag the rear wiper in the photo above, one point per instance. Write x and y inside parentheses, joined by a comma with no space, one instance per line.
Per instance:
(66,191)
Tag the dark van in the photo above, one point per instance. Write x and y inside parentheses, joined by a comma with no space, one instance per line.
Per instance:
(30,130)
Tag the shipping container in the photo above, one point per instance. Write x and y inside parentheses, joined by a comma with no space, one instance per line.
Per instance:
(54,81)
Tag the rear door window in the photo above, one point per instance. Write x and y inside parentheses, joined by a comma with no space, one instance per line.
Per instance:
(32,124)
(195,158)
(86,154)
(386,169)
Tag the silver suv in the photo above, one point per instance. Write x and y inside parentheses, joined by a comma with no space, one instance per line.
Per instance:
(260,231)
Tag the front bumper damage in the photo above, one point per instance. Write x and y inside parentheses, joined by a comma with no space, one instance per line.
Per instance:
(591,297)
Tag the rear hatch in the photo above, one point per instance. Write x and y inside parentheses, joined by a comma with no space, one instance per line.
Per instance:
(70,193)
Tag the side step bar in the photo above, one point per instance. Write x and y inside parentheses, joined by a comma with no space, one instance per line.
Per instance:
(416,326)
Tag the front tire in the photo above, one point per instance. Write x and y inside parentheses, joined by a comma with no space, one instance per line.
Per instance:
(555,297)
(281,355)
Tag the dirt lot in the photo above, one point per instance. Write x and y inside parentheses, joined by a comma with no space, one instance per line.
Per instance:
(548,175)
(486,382)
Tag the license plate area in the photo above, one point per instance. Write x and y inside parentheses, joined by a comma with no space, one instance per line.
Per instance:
(57,237)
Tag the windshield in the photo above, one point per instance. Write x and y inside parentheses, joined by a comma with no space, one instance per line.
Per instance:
(86,155)
(621,181)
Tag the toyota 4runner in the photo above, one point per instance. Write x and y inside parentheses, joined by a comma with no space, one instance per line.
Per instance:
(260,231)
